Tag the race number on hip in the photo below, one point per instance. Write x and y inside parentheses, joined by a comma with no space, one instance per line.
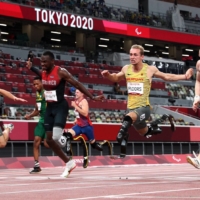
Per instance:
(50,95)
(39,106)
(135,88)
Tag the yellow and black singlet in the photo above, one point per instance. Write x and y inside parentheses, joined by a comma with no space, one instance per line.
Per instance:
(138,87)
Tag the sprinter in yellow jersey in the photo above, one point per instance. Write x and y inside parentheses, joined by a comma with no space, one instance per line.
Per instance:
(195,161)
(139,77)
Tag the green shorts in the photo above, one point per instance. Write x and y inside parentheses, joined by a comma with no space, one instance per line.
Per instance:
(39,130)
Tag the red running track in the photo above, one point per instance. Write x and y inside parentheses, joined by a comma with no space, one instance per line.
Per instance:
(180,181)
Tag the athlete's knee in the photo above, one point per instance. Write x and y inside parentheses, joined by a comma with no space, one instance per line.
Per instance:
(37,140)
(57,132)
(124,128)
(3,141)
(96,145)
(58,136)
(3,144)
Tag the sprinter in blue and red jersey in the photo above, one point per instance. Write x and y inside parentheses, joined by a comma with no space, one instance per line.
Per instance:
(82,122)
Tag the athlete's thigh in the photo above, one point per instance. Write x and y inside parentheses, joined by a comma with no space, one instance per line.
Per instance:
(143,113)
(77,130)
(40,130)
(61,113)
(48,119)
(89,132)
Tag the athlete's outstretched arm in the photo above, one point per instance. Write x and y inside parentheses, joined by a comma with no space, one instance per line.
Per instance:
(11,96)
(114,77)
(36,71)
(63,73)
(33,69)
(171,77)
(36,112)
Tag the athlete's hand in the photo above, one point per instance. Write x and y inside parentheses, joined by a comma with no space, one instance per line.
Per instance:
(105,73)
(195,105)
(189,73)
(19,99)
(99,98)
(73,104)
(27,117)
(29,63)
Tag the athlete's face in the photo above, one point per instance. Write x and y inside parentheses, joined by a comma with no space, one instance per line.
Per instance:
(78,94)
(135,56)
(38,85)
(47,63)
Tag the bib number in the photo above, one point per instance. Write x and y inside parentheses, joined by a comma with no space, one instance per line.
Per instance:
(135,88)
(50,95)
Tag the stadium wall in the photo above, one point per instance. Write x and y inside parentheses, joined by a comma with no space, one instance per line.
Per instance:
(24,131)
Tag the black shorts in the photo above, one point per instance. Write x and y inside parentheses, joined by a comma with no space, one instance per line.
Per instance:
(56,115)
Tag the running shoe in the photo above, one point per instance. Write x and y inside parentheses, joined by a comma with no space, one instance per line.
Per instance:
(35,170)
(70,165)
(194,161)
(10,126)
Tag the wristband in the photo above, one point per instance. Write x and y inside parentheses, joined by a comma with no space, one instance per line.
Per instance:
(197,98)
(185,77)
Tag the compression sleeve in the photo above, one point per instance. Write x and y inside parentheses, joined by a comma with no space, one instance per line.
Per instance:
(36,71)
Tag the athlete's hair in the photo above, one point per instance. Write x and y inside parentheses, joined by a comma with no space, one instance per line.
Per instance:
(49,53)
(37,78)
(136,46)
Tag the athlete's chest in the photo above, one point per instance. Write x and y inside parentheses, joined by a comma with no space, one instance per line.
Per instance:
(139,77)
(50,81)
(40,97)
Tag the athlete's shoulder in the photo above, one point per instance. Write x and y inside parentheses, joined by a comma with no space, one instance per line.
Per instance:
(62,69)
(84,101)
(125,67)
(198,63)
(198,66)
(151,67)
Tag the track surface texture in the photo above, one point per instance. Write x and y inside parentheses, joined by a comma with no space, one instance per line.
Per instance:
(180,181)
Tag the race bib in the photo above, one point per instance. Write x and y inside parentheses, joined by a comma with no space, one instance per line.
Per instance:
(76,114)
(50,95)
(135,88)
(39,106)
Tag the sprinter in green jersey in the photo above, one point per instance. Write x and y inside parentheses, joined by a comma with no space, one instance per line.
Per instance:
(39,132)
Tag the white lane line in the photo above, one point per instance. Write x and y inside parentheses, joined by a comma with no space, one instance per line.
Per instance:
(89,186)
(153,171)
(152,197)
(137,193)
(91,177)
(77,172)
